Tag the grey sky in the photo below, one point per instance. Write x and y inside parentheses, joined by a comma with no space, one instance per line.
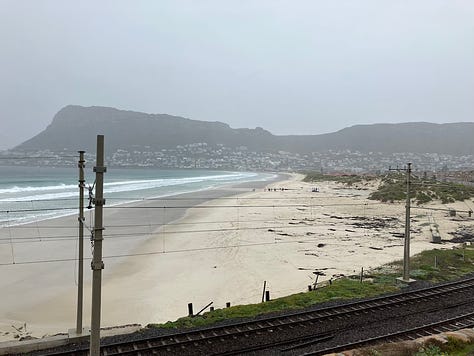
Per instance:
(292,67)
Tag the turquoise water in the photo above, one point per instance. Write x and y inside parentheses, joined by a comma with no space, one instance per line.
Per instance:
(30,194)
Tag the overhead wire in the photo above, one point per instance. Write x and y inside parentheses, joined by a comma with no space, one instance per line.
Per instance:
(150,253)
(236,206)
(36,210)
(20,239)
(134,234)
(171,198)
(149,224)
(438,209)
(189,207)
(34,157)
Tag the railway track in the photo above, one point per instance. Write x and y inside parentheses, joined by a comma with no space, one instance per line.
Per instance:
(291,333)
(451,324)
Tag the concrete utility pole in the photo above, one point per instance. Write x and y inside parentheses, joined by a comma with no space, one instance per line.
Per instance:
(406,255)
(80,274)
(406,250)
(97,264)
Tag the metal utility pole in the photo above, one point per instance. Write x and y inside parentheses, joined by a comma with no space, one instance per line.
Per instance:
(97,264)
(406,250)
(80,274)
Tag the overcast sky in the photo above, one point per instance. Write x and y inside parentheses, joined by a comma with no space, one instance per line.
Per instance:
(292,67)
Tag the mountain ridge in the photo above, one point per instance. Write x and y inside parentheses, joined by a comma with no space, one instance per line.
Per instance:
(75,127)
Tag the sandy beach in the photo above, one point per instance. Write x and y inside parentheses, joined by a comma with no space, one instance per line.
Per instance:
(185,250)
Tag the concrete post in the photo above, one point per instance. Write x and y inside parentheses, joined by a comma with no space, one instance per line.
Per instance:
(97,264)
(80,273)
(406,255)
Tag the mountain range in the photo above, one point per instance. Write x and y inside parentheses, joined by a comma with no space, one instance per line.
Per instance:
(75,128)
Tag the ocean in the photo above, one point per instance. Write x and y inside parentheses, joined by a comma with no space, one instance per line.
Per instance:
(29,194)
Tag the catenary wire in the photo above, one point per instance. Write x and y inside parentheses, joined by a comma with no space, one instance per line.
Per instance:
(165,252)
(135,234)
(307,205)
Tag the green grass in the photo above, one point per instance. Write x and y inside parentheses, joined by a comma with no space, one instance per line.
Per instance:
(450,265)
(432,347)
(431,350)
(340,289)
(457,347)
(393,188)
(464,350)
(453,347)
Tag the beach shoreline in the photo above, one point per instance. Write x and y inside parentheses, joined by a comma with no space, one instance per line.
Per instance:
(43,295)
(221,250)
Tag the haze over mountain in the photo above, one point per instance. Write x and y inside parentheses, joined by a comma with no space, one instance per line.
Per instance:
(75,128)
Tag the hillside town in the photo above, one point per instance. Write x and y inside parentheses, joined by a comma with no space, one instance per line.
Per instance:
(220,157)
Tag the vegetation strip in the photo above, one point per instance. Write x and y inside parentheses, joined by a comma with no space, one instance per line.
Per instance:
(393,187)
